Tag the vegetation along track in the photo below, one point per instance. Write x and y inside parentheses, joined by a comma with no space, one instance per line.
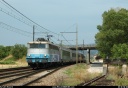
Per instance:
(26,77)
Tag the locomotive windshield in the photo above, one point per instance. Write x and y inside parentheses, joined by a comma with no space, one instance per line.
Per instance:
(37,46)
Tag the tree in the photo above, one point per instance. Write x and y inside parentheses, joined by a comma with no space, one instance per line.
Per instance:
(4,51)
(120,51)
(112,31)
(19,51)
(2,55)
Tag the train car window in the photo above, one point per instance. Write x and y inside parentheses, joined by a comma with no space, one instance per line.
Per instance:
(66,53)
(33,45)
(41,45)
(74,54)
(53,47)
(37,45)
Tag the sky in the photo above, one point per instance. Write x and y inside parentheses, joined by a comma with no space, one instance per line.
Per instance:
(53,17)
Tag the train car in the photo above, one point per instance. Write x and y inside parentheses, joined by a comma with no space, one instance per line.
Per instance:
(66,55)
(44,53)
(81,58)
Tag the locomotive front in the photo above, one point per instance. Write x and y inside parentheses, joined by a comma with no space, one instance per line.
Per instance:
(37,54)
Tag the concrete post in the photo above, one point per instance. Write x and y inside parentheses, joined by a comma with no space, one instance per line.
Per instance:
(105,69)
(88,56)
(124,69)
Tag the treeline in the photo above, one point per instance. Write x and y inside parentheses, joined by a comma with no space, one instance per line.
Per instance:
(18,51)
(112,38)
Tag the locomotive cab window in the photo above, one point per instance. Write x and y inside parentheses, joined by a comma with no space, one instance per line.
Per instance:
(37,46)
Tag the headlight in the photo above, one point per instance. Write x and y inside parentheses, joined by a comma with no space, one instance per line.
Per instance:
(45,55)
(28,55)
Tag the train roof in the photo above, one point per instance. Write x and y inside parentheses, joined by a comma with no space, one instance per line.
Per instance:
(47,42)
(39,42)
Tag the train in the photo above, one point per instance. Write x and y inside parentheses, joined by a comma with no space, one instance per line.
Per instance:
(43,53)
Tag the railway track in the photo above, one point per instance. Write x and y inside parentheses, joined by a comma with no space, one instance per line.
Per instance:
(15,73)
(41,76)
(12,69)
(91,81)
(104,82)
(99,80)
(25,77)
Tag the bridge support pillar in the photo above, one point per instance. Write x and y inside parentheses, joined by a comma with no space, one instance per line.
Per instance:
(88,56)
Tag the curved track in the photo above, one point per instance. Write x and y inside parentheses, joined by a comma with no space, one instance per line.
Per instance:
(91,81)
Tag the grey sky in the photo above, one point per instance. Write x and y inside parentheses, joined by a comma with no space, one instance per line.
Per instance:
(56,16)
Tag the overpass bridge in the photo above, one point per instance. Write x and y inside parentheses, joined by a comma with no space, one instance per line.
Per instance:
(84,47)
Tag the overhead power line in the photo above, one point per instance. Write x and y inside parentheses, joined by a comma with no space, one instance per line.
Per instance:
(22,19)
(66,39)
(27,17)
(12,15)
(8,27)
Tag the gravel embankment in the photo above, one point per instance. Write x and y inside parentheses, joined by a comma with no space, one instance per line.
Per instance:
(56,78)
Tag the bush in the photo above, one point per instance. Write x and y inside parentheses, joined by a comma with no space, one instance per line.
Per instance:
(4,51)
(19,51)
(9,61)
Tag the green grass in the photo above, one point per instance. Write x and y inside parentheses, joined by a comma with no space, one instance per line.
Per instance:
(76,75)
(9,61)
(78,67)
(121,82)
(115,74)
(68,72)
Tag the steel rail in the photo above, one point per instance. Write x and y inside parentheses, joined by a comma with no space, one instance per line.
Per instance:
(27,83)
(10,69)
(91,81)
(30,74)
(30,82)
(15,71)
(35,72)
(15,74)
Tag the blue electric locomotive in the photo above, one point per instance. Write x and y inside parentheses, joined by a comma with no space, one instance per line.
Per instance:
(44,53)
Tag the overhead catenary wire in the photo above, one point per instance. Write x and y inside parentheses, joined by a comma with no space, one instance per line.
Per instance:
(8,27)
(23,20)
(27,17)
(9,8)
(68,32)
(65,39)
(14,16)
(10,14)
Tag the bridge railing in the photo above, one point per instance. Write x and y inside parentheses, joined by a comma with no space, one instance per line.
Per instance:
(81,45)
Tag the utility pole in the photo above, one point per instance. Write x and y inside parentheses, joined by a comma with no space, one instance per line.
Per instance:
(83,48)
(48,36)
(33,32)
(76,42)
